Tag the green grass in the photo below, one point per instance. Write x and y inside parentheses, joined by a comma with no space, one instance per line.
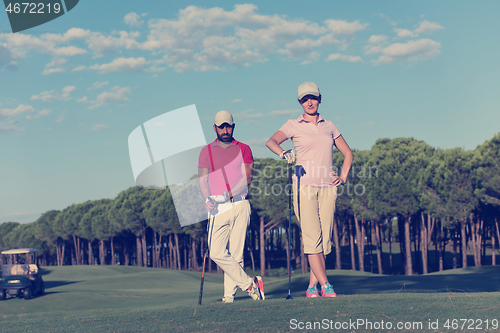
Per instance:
(133,299)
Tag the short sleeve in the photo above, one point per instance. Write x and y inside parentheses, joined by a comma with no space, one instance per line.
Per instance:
(287,128)
(246,152)
(203,158)
(335,131)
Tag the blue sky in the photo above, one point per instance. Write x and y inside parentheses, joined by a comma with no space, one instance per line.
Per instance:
(73,89)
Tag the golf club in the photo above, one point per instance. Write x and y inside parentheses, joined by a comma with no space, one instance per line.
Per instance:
(205,257)
(289,229)
(299,172)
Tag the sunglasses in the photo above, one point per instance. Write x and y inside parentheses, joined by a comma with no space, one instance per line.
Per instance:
(308,97)
(224,125)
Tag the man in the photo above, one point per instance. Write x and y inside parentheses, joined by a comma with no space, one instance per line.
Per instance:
(225,170)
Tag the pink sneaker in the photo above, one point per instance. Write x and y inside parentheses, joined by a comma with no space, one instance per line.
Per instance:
(312,291)
(327,291)
(257,290)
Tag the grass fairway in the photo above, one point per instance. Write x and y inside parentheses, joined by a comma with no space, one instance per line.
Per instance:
(133,299)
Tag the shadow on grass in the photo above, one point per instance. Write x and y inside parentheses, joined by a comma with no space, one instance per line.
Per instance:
(474,279)
(54,284)
(9,297)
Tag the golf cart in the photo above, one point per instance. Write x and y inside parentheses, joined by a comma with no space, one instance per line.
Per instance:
(20,274)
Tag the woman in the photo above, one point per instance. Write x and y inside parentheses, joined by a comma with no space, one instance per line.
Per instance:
(313,138)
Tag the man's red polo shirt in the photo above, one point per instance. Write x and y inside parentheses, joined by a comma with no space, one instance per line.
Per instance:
(230,159)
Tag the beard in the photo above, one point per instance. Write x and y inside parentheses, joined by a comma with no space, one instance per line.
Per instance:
(226,138)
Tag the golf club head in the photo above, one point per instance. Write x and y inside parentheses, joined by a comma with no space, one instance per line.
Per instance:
(299,171)
(289,297)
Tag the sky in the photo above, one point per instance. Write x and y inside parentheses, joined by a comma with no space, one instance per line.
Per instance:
(73,89)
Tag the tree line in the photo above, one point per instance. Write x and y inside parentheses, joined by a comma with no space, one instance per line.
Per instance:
(401,192)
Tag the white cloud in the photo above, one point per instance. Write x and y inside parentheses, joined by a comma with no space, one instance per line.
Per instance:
(52,71)
(101,44)
(97,85)
(128,65)
(374,49)
(10,113)
(19,111)
(404,33)
(39,114)
(50,96)
(97,42)
(79,68)
(426,26)
(376,44)
(46,96)
(55,66)
(68,89)
(341,27)
(99,127)
(305,47)
(238,100)
(19,44)
(200,39)
(82,100)
(377,39)
(210,39)
(133,19)
(413,50)
(116,95)
(68,51)
(56,63)
(9,126)
(338,56)
(418,50)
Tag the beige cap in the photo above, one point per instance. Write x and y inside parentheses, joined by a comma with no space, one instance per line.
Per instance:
(223,117)
(308,88)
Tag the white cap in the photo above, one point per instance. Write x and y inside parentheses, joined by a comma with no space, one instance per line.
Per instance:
(223,117)
(308,88)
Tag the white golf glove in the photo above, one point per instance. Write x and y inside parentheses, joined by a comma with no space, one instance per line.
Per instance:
(288,155)
(219,198)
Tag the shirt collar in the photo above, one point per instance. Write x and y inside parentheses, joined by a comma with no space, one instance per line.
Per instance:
(215,144)
(301,118)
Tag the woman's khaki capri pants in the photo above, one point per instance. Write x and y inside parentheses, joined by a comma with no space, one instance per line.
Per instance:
(317,208)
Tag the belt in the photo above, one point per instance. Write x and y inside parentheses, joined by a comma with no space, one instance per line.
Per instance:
(238,198)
